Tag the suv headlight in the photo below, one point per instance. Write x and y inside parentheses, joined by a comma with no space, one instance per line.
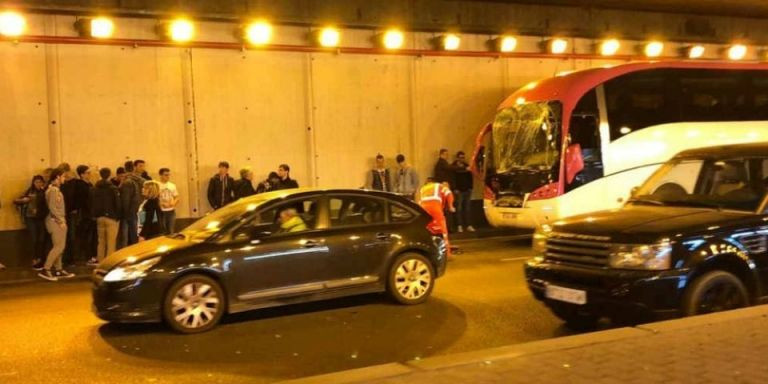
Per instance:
(651,257)
(132,271)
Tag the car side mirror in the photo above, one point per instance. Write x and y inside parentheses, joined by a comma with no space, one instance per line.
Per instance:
(480,159)
(574,162)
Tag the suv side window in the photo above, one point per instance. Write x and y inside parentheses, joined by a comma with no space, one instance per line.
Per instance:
(356,210)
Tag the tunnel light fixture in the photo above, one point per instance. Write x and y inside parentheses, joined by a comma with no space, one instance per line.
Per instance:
(12,24)
(393,39)
(258,33)
(737,51)
(653,49)
(328,37)
(557,46)
(180,30)
(98,28)
(506,44)
(696,51)
(450,42)
(609,47)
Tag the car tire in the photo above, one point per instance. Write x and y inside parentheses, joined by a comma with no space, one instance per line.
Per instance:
(411,279)
(574,317)
(714,292)
(194,304)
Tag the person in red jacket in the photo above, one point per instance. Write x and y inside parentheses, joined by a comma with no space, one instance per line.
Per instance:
(435,198)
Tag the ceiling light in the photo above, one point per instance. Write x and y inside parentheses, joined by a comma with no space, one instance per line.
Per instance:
(329,37)
(180,30)
(451,42)
(654,49)
(695,52)
(393,39)
(507,44)
(737,51)
(12,24)
(558,46)
(609,47)
(258,33)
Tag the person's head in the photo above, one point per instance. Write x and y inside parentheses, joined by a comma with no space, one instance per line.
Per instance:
(105,173)
(273,177)
(246,173)
(120,173)
(66,170)
(165,174)
(139,166)
(129,167)
(223,168)
(379,161)
(46,174)
(57,177)
(284,171)
(444,154)
(430,179)
(287,214)
(38,182)
(151,189)
(461,156)
(83,172)
(400,160)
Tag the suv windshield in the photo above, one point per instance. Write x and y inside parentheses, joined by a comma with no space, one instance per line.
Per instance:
(527,136)
(737,184)
(202,229)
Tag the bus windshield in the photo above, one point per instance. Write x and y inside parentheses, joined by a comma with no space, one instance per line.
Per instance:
(527,136)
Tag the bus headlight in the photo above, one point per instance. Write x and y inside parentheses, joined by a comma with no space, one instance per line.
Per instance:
(650,257)
(540,239)
(132,271)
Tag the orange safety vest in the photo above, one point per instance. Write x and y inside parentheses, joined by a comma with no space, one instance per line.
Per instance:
(436,192)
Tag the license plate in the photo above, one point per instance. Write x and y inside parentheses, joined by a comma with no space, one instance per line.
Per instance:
(568,295)
(508,216)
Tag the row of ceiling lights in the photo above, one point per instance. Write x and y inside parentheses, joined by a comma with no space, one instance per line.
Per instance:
(13,24)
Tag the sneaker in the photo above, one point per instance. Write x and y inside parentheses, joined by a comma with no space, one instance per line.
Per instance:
(92,262)
(460,229)
(471,228)
(46,274)
(64,274)
(38,266)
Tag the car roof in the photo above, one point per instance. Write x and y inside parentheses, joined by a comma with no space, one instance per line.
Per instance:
(734,150)
(295,192)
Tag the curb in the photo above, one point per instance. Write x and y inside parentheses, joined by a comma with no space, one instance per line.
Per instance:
(488,356)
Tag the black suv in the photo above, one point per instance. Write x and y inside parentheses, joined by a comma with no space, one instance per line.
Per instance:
(691,240)
(273,249)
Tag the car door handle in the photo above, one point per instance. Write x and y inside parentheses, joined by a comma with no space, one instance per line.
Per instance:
(383,236)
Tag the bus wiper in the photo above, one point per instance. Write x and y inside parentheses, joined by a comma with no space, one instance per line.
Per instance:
(645,201)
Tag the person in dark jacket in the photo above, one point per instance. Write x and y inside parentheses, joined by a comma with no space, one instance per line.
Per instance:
(80,226)
(140,167)
(106,208)
(445,172)
(130,199)
(150,213)
(379,178)
(270,184)
(463,192)
(34,210)
(244,186)
(119,177)
(221,187)
(284,172)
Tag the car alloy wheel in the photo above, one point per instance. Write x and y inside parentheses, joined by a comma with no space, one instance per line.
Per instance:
(194,304)
(714,292)
(411,279)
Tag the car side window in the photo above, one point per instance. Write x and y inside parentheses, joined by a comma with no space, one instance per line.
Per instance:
(399,214)
(291,216)
(356,210)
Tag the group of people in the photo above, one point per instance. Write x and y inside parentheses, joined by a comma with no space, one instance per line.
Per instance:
(456,176)
(224,189)
(75,216)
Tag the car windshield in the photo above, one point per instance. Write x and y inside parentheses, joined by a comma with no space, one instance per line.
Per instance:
(206,226)
(527,136)
(736,184)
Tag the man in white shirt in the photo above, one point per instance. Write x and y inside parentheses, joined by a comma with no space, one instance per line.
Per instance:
(169,198)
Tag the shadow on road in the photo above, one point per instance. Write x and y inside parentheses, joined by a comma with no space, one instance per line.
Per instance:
(300,340)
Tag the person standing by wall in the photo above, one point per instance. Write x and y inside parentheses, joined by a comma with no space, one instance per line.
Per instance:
(119,177)
(34,211)
(141,169)
(220,187)
(378,178)
(105,208)
(244,186)
(56,224)
(406,178)
(169,199)
(270,184)
(284,172)
(150,213)
(463,192)
(130,196)
(80,227)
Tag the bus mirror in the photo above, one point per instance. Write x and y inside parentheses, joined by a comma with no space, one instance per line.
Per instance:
(574,162)
(633,192)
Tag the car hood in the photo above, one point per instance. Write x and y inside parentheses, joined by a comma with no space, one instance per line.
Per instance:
(144,250)
(648,224)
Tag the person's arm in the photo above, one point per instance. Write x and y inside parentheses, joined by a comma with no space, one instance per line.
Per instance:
(175,197)
(212,192)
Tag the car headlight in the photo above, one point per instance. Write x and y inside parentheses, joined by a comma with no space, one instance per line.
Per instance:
(540,239)
(132,271)
(651,257)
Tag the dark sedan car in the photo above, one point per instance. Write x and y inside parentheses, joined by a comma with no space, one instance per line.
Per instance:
(693,239)
(273,249)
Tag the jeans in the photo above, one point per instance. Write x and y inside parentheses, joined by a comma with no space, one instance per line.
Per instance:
(106,229)
(37,231)
(169,218)
(463,200)
(132,229)
(71,250)
(59,236)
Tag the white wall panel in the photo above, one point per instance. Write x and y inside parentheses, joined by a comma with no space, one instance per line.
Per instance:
(24,145)
(250,111)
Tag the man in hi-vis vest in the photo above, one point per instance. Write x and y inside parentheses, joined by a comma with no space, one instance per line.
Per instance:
(435,197)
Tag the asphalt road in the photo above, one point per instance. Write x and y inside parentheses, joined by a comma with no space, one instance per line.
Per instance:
(48,334)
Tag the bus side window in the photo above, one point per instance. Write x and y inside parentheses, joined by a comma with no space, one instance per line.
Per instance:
(584,130)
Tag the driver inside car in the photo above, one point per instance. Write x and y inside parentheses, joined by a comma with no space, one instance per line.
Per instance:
(290,221)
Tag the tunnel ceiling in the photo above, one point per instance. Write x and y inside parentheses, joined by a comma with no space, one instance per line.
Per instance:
(741,8)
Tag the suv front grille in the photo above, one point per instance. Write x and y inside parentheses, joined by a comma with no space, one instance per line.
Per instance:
(578,249)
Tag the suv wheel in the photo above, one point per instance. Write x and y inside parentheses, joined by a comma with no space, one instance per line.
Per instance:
(411,279)
(574,317)
(193,304)
(714,292)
